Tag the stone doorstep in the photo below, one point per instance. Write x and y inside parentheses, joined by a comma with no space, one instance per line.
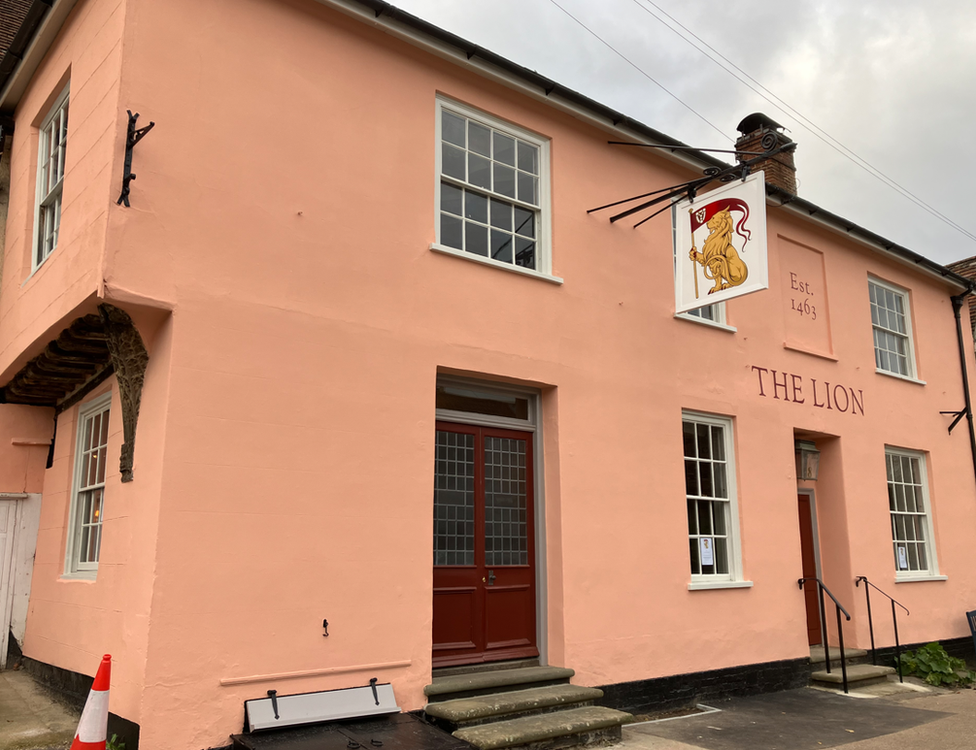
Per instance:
(488,666)
(482,683)
(851,654)
(542,727)
(858,675)
(478,709)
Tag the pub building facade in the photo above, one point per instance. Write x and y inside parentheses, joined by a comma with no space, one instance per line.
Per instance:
(351,350)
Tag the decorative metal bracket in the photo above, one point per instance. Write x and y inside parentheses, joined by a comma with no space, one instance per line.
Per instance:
(958,416)
(132,137)
(690,189)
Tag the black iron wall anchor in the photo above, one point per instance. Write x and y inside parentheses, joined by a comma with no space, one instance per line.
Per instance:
(132,137)
(958,416)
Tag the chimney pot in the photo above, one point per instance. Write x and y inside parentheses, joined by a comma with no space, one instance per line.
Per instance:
(780,169)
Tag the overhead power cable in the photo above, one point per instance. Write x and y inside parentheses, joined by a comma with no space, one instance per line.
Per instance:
(746,79)
(644,73)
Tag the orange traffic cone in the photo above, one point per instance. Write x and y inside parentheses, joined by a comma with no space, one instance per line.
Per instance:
(93,727)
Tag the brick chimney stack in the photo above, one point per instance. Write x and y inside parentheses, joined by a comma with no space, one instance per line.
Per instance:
(780,170)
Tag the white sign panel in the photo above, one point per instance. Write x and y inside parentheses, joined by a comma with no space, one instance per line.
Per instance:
(902,558)
(721,244)
(707,558)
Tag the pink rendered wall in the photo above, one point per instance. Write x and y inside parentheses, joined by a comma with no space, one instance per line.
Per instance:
(87,53)
(71,623)
(284,210)
(25,434)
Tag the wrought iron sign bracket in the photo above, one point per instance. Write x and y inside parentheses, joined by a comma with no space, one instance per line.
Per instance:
(690,189)
(132,137)
(958,416)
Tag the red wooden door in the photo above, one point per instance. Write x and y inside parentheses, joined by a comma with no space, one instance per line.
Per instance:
(484,545)
(809,561)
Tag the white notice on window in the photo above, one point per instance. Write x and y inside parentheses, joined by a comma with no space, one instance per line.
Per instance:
(705,544)
(902,558)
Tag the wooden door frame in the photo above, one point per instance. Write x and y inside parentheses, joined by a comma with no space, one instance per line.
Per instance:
(815,531)
(532,425)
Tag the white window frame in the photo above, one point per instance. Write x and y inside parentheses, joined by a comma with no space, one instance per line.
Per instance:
(932,570)
(908,335)
(46,198)
(734,578)
(543,210)
(74,567)
(715,319)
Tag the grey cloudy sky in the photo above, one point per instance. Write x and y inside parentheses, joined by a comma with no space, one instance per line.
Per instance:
(892,80)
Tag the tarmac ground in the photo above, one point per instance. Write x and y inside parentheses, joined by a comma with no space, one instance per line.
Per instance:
(811,719)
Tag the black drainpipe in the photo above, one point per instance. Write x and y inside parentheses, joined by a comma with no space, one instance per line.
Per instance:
(956,307)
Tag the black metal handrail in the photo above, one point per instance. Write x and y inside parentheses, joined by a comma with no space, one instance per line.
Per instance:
(894,619)
(823,625)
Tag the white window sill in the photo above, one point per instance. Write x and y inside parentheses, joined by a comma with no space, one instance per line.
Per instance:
(85,576)
(706,585)
(918,578)
(899,377)
(706,322)
(437,248)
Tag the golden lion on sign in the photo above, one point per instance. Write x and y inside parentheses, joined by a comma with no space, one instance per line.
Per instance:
(721,262)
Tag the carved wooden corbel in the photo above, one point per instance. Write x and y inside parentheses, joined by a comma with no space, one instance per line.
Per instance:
(129,359)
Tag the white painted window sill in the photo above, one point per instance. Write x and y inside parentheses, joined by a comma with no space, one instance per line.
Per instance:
(85,576)
(706,322)
(899,377)
(707,585)
(917,579)
(437,248)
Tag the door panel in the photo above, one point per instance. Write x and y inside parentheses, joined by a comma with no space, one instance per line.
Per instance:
(809,561)
(455,618)
(484,550)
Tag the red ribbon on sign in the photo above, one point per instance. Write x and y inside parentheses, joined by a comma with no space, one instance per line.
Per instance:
(700,216)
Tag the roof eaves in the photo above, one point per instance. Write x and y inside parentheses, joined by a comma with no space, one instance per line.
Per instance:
(691,157)
(34,38)
(388,18)
(813,212)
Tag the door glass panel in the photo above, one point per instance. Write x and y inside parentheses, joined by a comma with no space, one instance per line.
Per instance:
(454,499)
(506,527)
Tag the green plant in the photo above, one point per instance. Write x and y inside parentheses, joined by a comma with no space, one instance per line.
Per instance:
(114,743)
(935,666)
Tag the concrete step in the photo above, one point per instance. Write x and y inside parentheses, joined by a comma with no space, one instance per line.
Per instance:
(464,712)
(490,666)
(853,655)
(858,675)
(502,680)
(562,729)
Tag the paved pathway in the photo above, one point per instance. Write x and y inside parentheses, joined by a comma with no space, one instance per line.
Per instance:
(810,719)
(29,718)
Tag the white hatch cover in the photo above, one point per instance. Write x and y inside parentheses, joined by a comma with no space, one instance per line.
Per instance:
(279,711)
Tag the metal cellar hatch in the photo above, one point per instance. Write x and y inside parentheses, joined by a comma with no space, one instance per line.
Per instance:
(361,717)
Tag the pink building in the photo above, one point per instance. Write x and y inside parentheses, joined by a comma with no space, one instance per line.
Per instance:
(358,265)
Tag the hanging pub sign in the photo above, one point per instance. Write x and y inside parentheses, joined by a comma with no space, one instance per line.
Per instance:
(721,244)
